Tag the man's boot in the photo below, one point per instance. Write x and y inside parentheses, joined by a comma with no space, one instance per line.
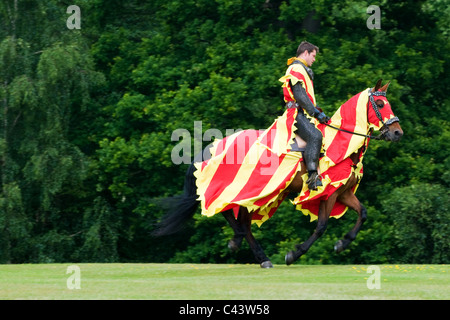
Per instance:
(314,180)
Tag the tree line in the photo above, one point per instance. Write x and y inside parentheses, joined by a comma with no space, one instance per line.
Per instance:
(87,117)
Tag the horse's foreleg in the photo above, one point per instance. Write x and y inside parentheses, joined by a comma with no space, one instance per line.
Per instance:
(324,214)
(349,199)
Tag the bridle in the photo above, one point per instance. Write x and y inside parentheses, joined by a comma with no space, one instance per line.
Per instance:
(384,129)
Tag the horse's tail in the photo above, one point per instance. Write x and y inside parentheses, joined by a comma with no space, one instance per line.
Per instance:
(179,208)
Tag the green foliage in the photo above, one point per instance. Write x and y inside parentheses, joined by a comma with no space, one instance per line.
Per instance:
(101,223)
(421,220)
(87,116)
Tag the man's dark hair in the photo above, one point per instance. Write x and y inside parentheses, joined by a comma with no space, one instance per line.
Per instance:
(306,46)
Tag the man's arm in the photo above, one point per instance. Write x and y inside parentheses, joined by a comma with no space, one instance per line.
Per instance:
(303,101)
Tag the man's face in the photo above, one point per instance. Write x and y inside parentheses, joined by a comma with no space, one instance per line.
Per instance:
(309,57)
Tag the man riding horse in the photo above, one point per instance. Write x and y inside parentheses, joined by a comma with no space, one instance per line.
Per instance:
(246,175)
(298,91)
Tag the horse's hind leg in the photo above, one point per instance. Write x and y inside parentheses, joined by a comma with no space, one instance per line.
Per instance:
(239,231)
(246,220)
(349,199)
(242,228)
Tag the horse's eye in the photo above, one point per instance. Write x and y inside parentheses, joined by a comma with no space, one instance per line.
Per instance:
(380,104)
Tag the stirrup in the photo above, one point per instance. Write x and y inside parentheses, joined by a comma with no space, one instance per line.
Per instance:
(314,181)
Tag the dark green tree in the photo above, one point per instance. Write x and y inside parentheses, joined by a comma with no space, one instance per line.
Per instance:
(87,119)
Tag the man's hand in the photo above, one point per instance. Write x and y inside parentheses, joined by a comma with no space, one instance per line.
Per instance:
(323,118)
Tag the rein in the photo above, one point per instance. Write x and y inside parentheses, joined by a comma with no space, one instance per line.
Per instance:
(383,129)
(355,133)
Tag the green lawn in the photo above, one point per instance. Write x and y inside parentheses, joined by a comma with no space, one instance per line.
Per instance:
(213,281)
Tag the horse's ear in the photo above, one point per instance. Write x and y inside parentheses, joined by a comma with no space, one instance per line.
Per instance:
(385,87)
(377,86)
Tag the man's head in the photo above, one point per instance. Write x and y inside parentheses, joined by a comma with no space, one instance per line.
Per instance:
(307,51)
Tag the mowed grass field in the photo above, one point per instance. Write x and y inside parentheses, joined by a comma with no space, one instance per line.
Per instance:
(222,282)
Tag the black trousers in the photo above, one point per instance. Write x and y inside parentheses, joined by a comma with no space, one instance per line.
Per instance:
(313,137)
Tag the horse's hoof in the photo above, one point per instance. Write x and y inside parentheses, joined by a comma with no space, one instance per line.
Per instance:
(339,246)
(289,258)
(266,264)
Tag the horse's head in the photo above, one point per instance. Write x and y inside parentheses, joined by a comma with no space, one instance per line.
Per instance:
(380,114)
